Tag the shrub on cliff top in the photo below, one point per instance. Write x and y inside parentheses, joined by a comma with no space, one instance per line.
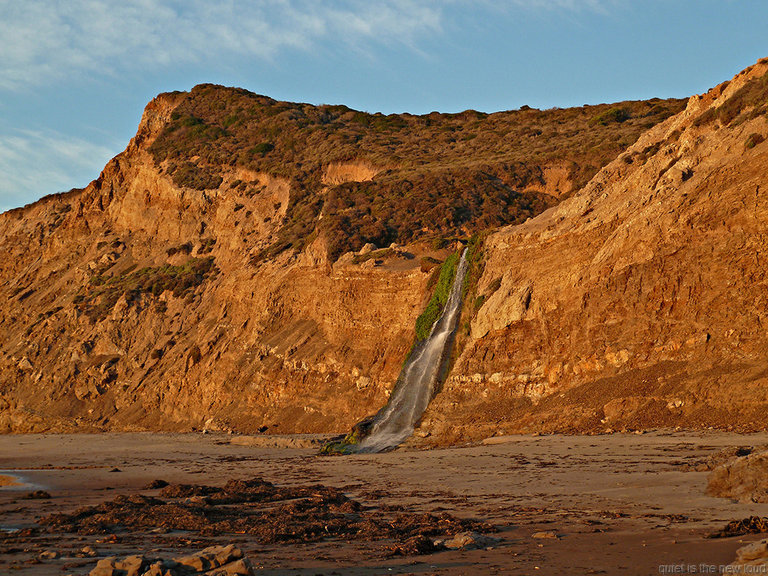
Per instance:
(444,174)
(612,115)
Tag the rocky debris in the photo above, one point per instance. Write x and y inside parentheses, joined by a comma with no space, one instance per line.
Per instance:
(751,525)
(37,495)
(742,478)
(467,541)
(213,561)
(414,546)
(156,485)
(48,555)
(750,556)
(721,457)
(25,365)
(270,514)
(88,552)
(545,535)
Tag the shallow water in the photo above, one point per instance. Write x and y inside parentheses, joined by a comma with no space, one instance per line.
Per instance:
(11,480)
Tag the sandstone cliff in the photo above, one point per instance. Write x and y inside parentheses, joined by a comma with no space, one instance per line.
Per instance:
(639,302)
(190,286)
(135,304)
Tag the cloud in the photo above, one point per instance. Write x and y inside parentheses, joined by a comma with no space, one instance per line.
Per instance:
(34,163)
(568,5)
(564,7)
(44,41)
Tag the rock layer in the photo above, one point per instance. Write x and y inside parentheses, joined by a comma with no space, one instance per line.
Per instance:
(742,478)
(105,324)
(137,303)
(641,301)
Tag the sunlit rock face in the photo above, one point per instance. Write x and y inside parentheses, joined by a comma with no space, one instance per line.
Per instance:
(640,302)
(167,299)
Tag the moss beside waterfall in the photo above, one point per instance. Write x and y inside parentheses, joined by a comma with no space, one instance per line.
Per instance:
(439,298)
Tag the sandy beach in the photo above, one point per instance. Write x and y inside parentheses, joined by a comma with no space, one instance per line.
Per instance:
(611,504)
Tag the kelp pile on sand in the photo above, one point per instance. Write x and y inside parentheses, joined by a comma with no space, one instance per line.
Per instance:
(270,514)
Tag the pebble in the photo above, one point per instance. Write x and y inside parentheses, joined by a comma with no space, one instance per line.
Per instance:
(88,551)
(48,555)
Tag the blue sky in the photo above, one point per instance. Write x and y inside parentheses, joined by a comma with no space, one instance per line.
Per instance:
(75,75)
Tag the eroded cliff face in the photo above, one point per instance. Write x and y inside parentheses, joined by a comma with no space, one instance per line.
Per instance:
(139,303)
(135,304)
(641,301)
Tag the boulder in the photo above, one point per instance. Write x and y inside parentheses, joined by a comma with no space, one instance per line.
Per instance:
(754,554)
(212,557)
(88,552)
(467,541)
(239,567)
(743,478)
(112,566)
(48,555)
(509,304)
(213,561)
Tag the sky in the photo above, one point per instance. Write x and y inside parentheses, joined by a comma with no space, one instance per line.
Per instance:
(75,75)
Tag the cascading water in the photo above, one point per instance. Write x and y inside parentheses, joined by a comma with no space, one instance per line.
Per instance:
(417,382)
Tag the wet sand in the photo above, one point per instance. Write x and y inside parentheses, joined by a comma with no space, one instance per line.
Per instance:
(617,504)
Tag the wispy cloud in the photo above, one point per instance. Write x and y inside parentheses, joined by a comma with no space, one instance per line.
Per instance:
(564,7)
(43,41)
(569,5)
(42,162)
(47,43)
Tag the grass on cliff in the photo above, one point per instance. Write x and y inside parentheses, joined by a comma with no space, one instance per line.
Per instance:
(104,291)
(442,174)
(439,298)
(748,102)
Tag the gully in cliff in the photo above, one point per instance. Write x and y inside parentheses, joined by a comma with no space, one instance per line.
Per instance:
(424,369)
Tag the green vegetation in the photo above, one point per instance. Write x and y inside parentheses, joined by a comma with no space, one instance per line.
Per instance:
(439,298)
(430,203)
(753,140)
(612,115)
(104,292)
(475,262)
(347,444)
(472,300)
(443,174)
(262,148)
(428,263)
(189,175)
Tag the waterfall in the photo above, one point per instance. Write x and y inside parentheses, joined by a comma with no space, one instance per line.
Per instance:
(419,378)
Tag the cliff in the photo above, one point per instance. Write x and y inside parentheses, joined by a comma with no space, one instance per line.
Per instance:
(219,274)
(640,301)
